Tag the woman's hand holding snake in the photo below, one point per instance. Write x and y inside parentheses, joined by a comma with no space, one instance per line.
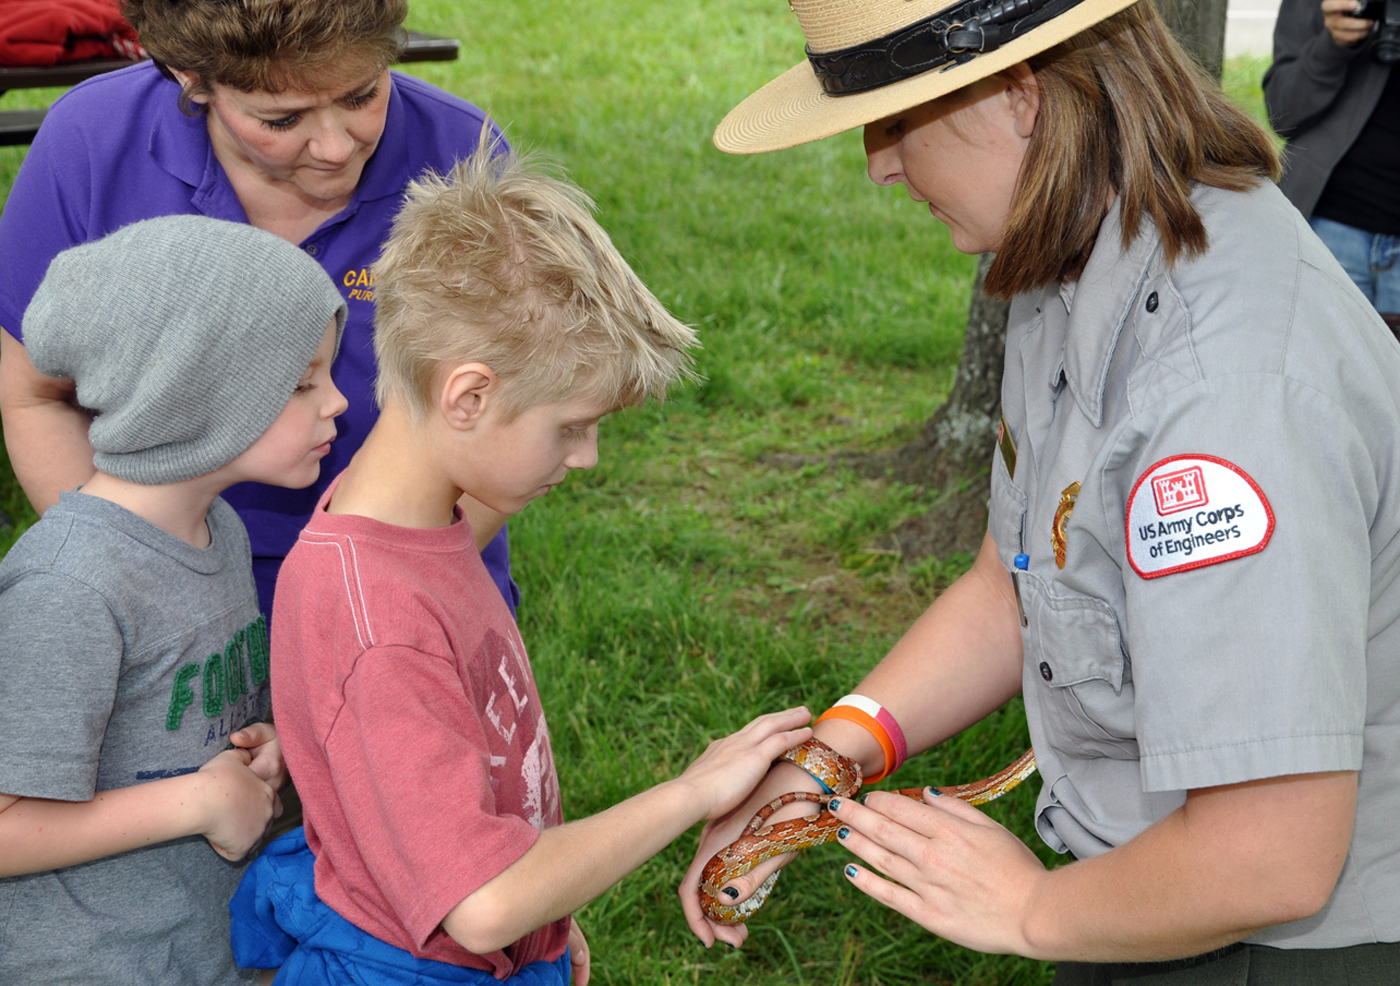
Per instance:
(716,895)
(945,865)
(722,831)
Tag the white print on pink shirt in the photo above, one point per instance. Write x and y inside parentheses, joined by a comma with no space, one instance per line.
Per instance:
(533,772)
(506,733)
(522,669)
(539,796)
(519,700)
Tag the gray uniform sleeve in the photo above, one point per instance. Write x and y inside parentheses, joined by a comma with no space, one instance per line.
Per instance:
(1255,666)
(60,658)
(1309,68)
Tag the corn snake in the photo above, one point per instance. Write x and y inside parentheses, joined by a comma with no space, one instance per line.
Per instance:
(842,777)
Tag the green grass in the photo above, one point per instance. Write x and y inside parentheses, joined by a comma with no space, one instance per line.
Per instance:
(1242,80)
(683,586)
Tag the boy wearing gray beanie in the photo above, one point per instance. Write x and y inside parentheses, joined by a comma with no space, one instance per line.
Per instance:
(133,659)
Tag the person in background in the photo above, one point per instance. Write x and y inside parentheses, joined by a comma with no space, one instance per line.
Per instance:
(278,113)
(1331,93)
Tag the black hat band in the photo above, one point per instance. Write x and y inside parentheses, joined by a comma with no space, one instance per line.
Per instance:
(950,37)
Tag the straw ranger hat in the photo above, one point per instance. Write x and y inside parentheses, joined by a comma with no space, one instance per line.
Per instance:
(868,59)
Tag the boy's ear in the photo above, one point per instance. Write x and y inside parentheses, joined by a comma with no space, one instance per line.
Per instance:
(466,393)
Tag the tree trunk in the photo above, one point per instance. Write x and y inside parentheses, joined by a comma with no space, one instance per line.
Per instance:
(1200,27)
(954,448)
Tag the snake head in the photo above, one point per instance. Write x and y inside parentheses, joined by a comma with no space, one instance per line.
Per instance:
(723,912)
(758,842)
(761,840)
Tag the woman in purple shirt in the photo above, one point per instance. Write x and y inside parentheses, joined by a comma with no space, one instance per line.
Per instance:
(278,113)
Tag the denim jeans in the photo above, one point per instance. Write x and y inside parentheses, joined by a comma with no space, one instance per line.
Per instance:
(1368,258)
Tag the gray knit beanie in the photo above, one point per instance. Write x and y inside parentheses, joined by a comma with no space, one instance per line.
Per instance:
(186,337)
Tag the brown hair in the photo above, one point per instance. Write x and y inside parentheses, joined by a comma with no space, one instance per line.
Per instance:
(267,45)
(501,264)
(1123,109)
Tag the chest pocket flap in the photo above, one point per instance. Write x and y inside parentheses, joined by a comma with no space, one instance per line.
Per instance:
(1079,679)
(1078,638)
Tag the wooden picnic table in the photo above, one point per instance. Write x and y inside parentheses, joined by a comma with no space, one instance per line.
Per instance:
(20,126)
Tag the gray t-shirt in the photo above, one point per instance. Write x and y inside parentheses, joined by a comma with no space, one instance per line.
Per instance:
(126,656)
(1207,487)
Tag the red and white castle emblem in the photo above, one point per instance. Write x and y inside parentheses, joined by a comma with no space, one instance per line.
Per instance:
(1180,490)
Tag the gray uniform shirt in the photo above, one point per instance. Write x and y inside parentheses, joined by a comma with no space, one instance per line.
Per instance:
(126,655)
(1229,598)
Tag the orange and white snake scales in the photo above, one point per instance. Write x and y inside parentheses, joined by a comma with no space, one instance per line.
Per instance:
(842,775)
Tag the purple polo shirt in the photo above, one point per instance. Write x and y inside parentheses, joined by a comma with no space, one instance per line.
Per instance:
(116,149)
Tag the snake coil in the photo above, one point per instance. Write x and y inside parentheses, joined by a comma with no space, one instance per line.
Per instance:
(842,777)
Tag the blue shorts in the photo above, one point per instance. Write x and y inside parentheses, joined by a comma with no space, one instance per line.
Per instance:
(279,923)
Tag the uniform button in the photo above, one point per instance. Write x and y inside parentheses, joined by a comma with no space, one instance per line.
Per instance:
(312,250)
(1152,302)
(1045,671)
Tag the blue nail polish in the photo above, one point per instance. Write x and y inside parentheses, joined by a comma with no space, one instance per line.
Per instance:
(731,893)
(842,832)
(863,797)
(934,791)
(851,872)
(833,804)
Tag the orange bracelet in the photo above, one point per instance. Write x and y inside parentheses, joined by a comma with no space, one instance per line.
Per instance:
(851,714)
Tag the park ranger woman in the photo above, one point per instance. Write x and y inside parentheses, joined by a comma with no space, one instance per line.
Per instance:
(1192,564)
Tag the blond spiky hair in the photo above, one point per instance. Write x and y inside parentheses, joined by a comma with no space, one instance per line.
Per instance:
(501,264)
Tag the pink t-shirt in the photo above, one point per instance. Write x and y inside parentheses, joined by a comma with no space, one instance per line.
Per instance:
(412,727)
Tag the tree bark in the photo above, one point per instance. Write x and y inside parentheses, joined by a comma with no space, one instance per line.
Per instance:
(953,450)
(1200,27)
(954,442)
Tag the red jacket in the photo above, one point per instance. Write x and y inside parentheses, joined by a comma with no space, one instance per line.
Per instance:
(46,32)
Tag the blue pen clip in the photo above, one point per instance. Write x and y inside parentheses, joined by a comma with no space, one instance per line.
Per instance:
(1022,563)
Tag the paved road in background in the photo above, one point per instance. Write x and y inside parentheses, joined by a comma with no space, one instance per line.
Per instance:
(1249,27)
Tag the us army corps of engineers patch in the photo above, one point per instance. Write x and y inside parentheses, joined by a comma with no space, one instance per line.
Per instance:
(1189,511)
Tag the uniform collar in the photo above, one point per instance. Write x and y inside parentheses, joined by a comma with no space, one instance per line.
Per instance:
(178,144)
(1099,305)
